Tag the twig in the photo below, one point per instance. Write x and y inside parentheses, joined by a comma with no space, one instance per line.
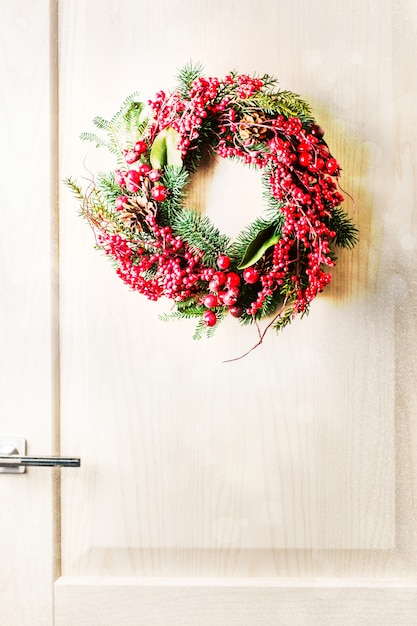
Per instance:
(261,334)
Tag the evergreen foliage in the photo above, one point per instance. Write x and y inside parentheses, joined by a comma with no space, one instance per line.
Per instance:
(285,103)
(186,76)
(346,231)
(175,179)
(122,130)
(111,190)
(75,188)
(199,232)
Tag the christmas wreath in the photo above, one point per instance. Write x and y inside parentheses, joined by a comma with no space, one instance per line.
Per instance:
(277,264)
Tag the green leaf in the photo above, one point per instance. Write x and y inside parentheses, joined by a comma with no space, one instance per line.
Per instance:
(264,240)
(164,149)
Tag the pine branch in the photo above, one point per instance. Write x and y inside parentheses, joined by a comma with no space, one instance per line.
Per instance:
(186,76)
(286,318)
(106,183)
(130,122)
(199,233)
(136,120)
(94,208)
(174,179)
(188,313)
(75,188)
(101,123)
(284,103)
(270,83)
(345,229)
(124,107)
(93,138)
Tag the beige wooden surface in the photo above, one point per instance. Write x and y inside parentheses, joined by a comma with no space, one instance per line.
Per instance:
(209,491)
(236,602)
(28,315)
(299,460)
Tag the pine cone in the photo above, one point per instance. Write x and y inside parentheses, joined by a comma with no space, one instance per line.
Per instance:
(250,127)
(135,211)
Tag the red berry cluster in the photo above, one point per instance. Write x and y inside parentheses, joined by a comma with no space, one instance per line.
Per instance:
(159,269)
(133,178)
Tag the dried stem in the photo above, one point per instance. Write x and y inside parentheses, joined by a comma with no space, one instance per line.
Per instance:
(260,333)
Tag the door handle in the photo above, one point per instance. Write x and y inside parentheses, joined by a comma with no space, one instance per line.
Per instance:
(13,459)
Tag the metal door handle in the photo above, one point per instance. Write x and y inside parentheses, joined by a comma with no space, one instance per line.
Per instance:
(13,459)
(16,460)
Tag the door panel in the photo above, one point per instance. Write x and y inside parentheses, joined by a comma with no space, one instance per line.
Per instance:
(291,448)
(293,461)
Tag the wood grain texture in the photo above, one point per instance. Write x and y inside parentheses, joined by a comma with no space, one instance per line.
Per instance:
(233,603)
(301,459)
(28,315)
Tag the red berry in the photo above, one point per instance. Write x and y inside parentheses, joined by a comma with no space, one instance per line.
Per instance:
(250,275)
(234,291)
(317,131)
(332,166)
(131,156)
(221,295)
(140,147)
(210,301)
(316,165)
(232,279)
(219,277)
(159,193)
(144,169)
(119,178)
(209,318)
(132,180)
(120,202)
(303,146)
(154,175)
(305,158)
(223,262)
(231,296)
(236,311)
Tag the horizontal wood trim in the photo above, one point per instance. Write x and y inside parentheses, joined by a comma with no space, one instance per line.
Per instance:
(94,601)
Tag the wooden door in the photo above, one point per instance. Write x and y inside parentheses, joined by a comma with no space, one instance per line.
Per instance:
(279,489)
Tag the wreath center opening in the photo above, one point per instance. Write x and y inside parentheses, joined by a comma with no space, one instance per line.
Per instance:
(226,191)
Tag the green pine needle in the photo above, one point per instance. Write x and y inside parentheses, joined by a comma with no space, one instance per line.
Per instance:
(346,231)
(106,183)
(284,103)
(175,179)
(98,141)
(199,232)
(186,76)
(120,115)
(75,188)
